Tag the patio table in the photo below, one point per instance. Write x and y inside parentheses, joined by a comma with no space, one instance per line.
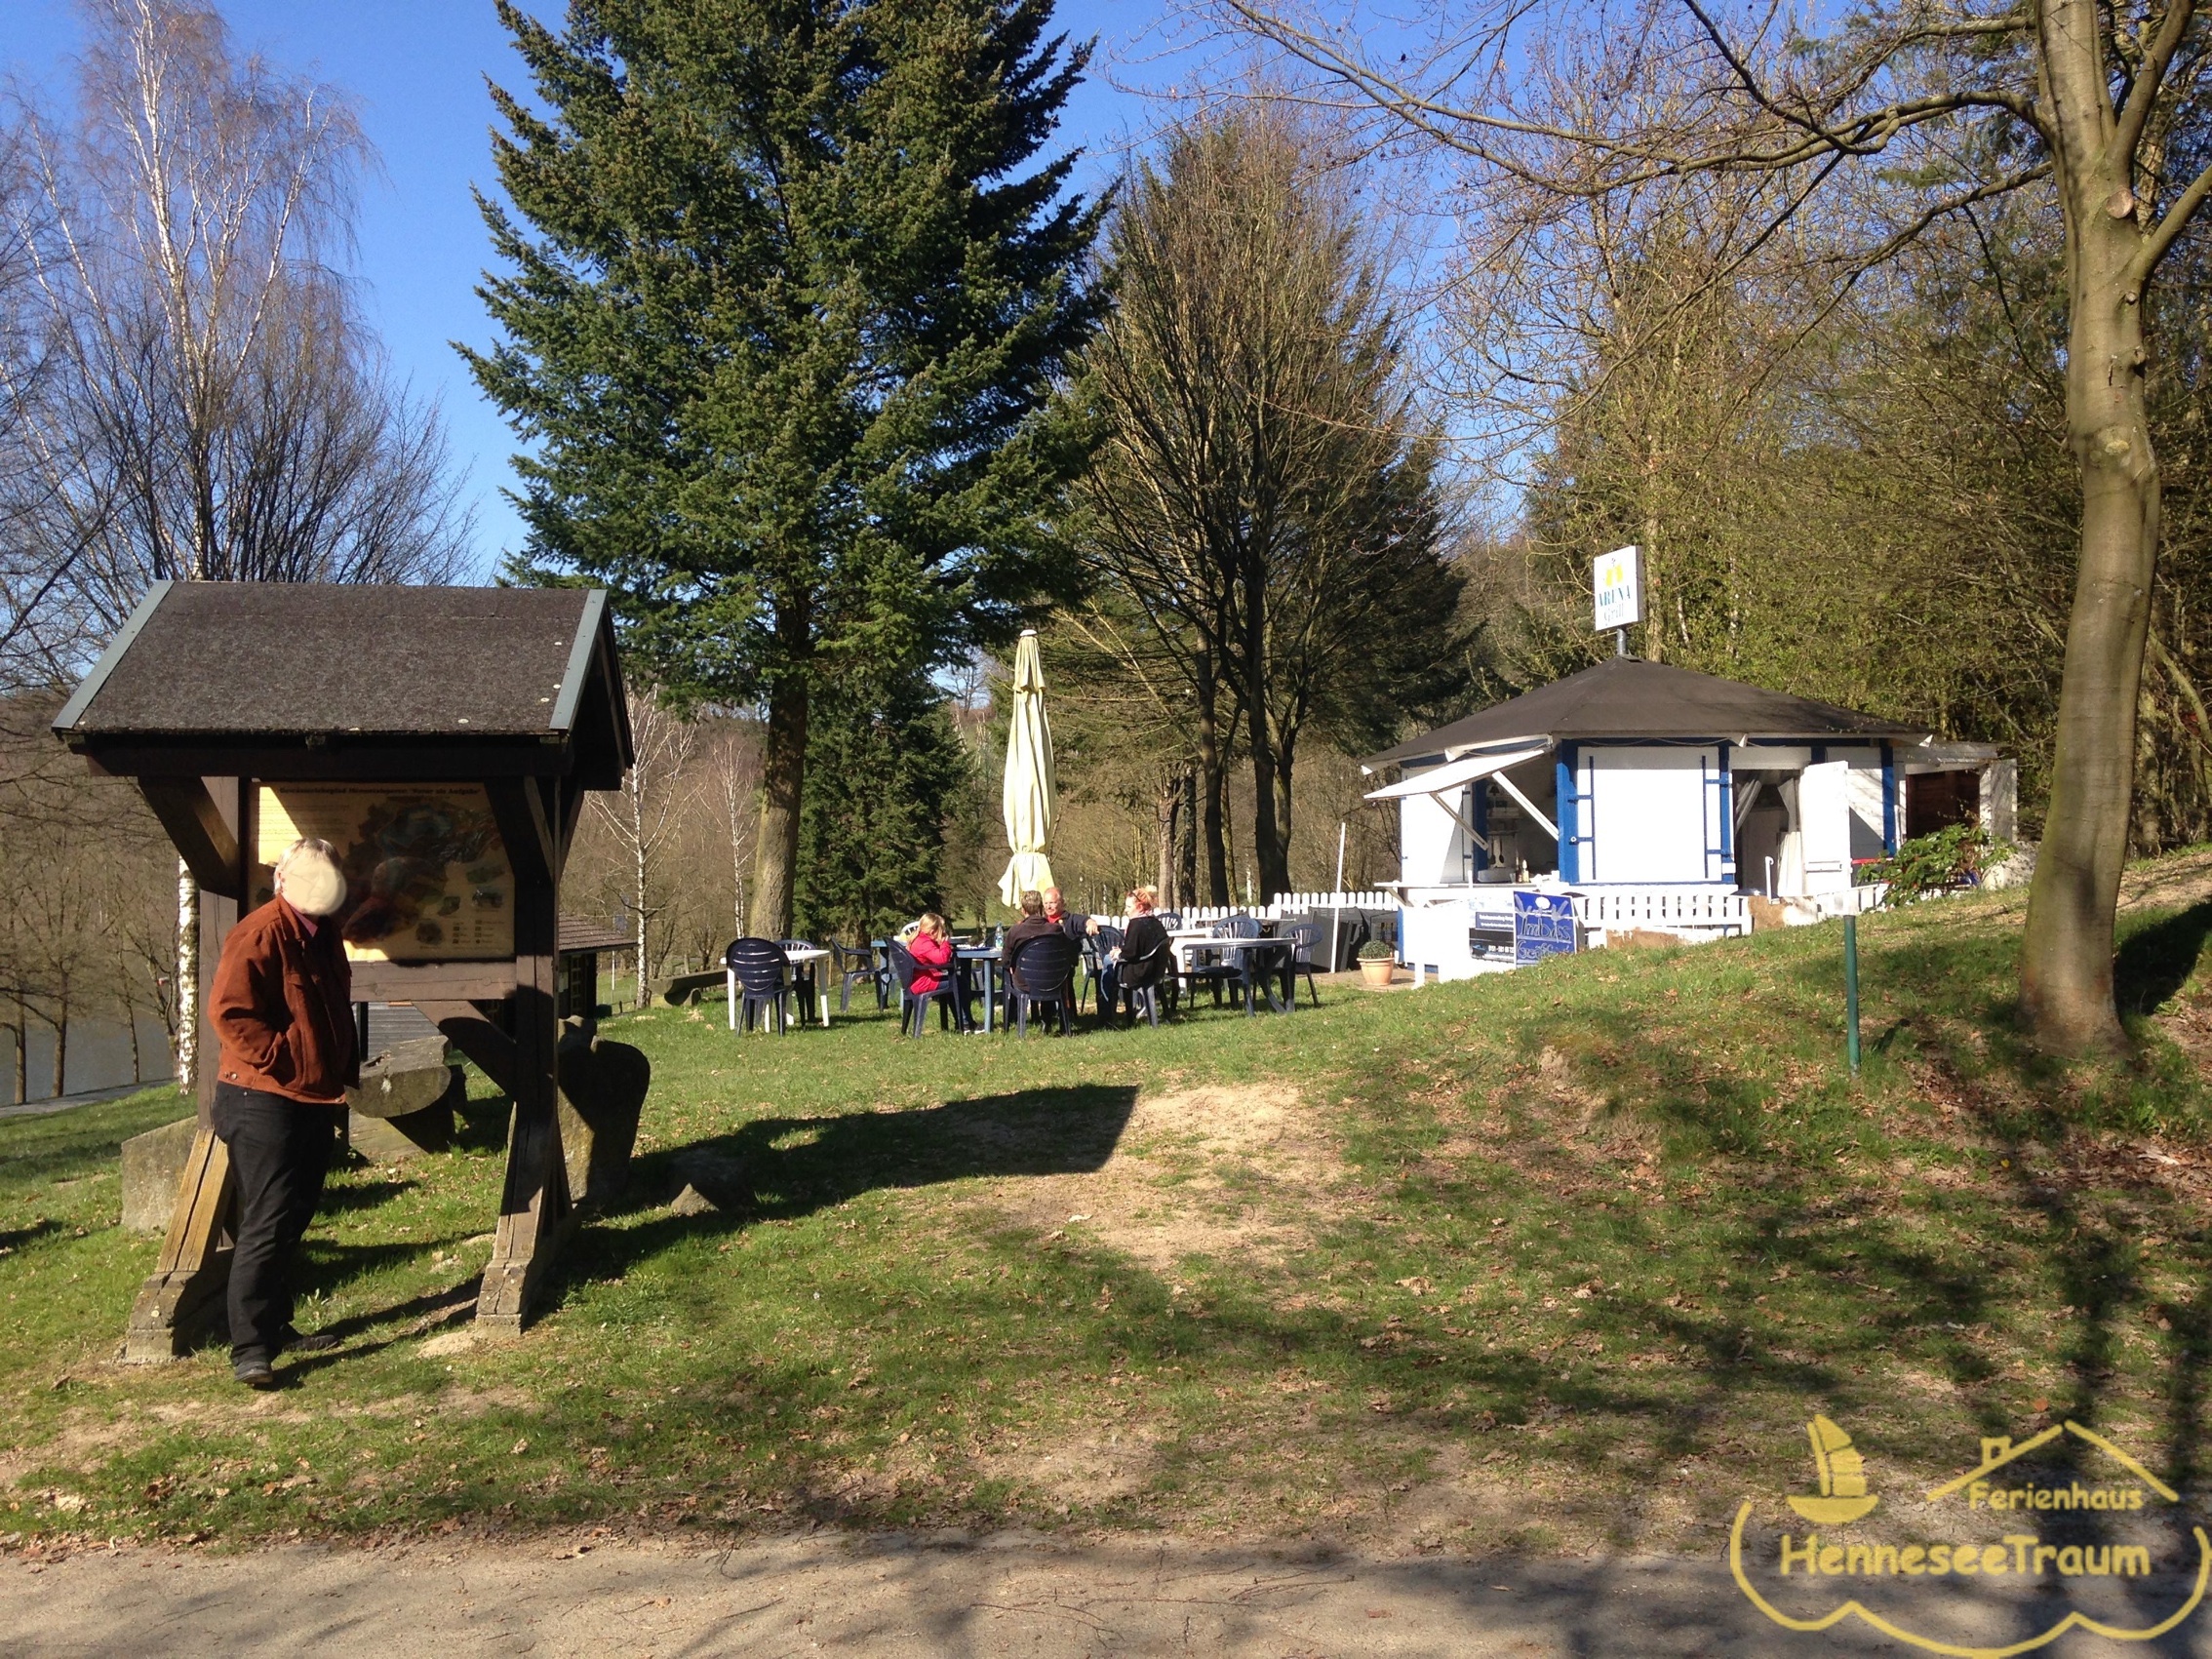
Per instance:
(1185,941)
(806,961)
(989,955)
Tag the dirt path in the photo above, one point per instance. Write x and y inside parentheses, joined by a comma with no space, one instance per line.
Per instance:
(885,1597)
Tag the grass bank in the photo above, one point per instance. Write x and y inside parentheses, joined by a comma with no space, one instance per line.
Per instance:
(1557,1259)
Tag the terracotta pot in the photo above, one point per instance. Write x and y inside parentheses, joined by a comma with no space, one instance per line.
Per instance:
(1377,972)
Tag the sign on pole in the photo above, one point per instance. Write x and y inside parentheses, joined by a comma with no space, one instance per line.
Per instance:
(1616,581)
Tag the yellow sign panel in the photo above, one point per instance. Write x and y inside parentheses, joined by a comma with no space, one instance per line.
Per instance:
(427,876)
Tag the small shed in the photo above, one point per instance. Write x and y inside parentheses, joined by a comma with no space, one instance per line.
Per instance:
(1662,798)
(443,740)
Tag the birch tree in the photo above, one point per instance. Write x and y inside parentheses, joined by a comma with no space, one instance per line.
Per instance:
(192,392)
(644,815)
(186,391)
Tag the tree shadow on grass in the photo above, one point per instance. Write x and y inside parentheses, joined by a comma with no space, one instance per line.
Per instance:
(782,1169)
(15,1237)
(359,1195)
(2155,960)
(1812,1282)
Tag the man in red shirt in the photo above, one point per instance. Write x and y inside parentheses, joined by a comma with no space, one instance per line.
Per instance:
(282,1007)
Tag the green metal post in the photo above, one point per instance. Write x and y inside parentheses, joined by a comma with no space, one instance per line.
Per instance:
(1851,990)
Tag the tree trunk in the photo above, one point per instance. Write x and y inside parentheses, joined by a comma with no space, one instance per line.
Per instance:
(61,1071)
(1164,813)
(1212,829)
(1268,841)
(2066,969)
(1654,623)
(23,1052)
(187,978)
(1186,844)
(1286,763)
(638,874)
(783,777)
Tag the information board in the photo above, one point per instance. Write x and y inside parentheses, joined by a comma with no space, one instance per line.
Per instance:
(427,877)
(1543,925)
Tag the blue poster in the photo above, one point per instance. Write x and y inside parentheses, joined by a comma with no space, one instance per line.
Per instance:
(1543,925)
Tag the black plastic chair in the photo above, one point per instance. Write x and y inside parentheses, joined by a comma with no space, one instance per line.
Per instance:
(1141,978)
(1041,971)
(1225,969)
(913,1019)
(1097,949)
(1309,938)
(870,966)
(764,982)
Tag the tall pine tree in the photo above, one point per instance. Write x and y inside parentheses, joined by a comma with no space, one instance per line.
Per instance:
(885,770)
(786,289)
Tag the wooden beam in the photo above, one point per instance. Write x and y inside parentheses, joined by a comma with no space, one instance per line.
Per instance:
(219,911)
(178,1301)
(571,795)
(471,1030)
(535,1209)
(197,830)
(423,982)
(529,835)
(419,762)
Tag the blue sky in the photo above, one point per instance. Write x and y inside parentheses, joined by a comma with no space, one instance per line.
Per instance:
(418,68)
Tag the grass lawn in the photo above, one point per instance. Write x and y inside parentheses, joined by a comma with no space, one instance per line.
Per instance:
(1557,1259)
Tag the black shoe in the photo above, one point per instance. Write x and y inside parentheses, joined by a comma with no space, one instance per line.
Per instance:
(322,1342)
(253,1371)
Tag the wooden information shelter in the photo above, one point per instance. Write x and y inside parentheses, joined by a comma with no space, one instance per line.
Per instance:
(443,740)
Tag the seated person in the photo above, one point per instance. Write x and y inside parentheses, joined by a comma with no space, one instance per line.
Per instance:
(932,951)
(1031,926)
(1145,958)
(1067,921)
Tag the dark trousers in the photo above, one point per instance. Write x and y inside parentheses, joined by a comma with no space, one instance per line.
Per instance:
(280,1150)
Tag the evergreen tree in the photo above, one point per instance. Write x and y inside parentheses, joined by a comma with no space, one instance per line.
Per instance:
(884,770)
(785,294)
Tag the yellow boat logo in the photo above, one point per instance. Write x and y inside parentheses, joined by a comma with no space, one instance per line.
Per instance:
(1843,1496)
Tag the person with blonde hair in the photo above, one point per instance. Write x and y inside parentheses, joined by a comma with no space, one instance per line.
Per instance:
(282,1009)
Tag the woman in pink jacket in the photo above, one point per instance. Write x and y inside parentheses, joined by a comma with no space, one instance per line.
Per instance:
(933,953)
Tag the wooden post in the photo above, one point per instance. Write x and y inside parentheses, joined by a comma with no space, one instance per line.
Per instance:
(533,1206)
(182,1299)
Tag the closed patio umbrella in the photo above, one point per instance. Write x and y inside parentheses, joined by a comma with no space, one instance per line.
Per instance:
(1028,793)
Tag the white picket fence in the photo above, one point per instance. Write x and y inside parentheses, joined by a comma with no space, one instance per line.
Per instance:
(1698,911)
(1285,905)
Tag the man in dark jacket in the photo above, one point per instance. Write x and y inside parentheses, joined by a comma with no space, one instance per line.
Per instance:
(282,1007)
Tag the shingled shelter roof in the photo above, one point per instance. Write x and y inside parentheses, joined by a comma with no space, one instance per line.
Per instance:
(274,679)
(1623,697)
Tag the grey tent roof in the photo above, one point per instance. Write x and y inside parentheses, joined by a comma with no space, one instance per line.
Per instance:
(1623,697)
(222,665)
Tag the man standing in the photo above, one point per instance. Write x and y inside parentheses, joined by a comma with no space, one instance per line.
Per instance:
(282,1007)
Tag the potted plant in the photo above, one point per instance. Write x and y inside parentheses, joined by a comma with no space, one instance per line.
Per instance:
(1376,964)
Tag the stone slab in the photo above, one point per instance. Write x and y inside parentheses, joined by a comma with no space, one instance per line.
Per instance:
(152,1164)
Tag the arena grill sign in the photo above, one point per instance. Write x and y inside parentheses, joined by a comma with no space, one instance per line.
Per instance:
(444,741)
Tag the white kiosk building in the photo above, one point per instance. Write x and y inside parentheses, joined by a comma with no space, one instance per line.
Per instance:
(1653,799)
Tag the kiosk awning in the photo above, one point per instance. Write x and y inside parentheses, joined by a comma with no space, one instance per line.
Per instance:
(1455,774)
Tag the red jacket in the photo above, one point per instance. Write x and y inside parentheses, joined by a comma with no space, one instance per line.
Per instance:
(934,955)
(282,1007)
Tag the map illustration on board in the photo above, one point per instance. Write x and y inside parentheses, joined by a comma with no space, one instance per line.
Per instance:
(427,877)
